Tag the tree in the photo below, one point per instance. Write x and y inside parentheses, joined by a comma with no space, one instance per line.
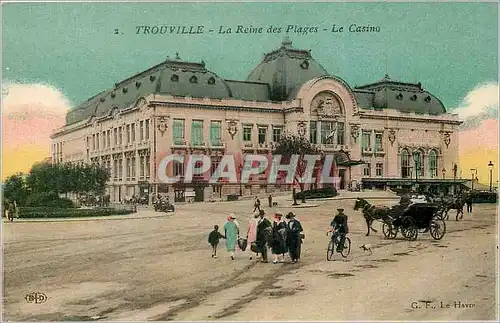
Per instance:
(292,144)
(15,189)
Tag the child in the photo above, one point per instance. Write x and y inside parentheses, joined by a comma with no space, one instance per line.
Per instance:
(213,239)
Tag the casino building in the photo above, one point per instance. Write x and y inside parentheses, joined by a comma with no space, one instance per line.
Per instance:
(385,134)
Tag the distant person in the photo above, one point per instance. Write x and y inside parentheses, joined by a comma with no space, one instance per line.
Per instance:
(214,238)
(231,232)
(294,238)
(468,201)
(256,204)
(270,200)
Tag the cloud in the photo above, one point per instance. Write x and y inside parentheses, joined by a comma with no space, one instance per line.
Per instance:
(30,114)
(480,104)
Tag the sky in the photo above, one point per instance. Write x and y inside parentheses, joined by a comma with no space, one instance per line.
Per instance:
(56,55)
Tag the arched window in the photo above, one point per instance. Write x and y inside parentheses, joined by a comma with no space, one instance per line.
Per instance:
(405,164)
(418,159)
(433,164)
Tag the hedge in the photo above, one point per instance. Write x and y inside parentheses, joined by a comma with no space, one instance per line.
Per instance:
(48,199)
(50,212)
(317,193)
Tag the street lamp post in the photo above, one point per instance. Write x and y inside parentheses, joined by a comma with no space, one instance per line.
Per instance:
(240,167)
(472,170)
(490,165)
(416,158)
(455,170)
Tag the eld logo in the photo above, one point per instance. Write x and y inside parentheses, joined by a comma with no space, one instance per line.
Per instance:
(36,297)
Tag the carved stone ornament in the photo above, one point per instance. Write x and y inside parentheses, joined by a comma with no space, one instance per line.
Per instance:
(447,138)
(140,104)
(392,136)
(302,128)
(162,124)
(232,128)
(354,132)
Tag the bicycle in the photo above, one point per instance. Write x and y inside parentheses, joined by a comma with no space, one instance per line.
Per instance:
(333,244)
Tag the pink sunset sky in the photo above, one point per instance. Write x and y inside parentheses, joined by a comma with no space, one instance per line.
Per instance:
(30,112)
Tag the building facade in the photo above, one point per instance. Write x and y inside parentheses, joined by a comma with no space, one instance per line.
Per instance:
(401,133)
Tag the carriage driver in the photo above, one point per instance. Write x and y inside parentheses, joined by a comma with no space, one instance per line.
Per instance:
(339,227)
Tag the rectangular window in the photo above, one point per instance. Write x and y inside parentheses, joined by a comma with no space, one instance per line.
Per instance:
(147,129)
(109,138)
(115,169)
(313,132)
(215,133)
(127,166)
(378,142)
(120,136)
(326,132)
(366,141)
(247,133)
(103,138)
(197,132)
(133,166)
(132,128)
(147,166)
(120,169)
(262,135)
(128,135)
(93,142)
(141,167)
(178,168)
(379,169)
(276,134)
(178,131)
(340,133)
(367,170)
(97,140)
(141,130)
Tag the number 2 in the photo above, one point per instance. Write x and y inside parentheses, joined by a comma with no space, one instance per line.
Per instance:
(116,31)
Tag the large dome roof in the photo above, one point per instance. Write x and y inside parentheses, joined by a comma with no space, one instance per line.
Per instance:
(405,97)
(285,69)
(173,76)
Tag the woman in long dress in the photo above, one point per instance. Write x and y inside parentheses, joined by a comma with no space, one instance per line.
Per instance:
(252,232)
(278,246)
(231,232)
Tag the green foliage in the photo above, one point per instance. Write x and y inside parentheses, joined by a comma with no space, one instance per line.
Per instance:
(15,189)
(48,199)
(46,181)
(317,193)
(52,212)
(292,144)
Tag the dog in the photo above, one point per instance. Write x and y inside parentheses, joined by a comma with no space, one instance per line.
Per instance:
(366,247)
(275,203)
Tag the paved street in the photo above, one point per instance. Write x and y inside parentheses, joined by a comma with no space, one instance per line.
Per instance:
(160,268)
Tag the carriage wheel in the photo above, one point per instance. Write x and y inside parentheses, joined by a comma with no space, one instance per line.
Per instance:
(330,251)
(347,247)
(437,227)
(408,228)
(389,230)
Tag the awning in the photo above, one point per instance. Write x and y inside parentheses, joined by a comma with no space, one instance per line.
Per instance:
(342,159)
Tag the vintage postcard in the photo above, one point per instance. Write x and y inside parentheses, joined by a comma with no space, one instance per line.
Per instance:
(256,161)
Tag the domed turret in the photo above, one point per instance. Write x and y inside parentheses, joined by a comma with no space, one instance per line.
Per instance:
(286,69)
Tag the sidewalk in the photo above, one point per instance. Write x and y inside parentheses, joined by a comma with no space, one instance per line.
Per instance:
(144,214)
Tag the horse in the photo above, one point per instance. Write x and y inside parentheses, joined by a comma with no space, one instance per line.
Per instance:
(454,204)
(372,213)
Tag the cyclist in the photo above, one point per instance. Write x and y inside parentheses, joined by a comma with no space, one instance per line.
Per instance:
(340,228)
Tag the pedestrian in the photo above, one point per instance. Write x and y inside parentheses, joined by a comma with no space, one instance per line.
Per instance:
(231,232)
(294,238)
(270,200)
(256,204)
(278,246)
(468,201)
(264,234)
(252,232)
(213,239)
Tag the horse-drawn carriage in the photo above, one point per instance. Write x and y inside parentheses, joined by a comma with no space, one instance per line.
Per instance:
(421,217)
(409,221)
